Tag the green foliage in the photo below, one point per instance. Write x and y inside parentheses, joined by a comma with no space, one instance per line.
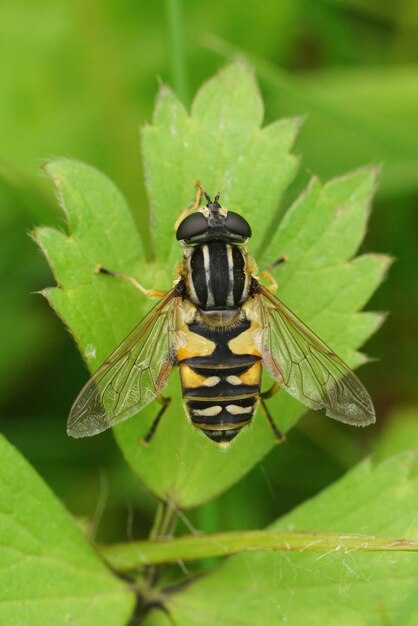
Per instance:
(355,115)
(78,79)
(48,572)
(222,143)
(341,586)
(400,433)
(72,84)
(221,139)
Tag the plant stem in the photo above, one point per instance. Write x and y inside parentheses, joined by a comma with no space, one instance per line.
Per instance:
(125,557)
(176,48)
(161,530)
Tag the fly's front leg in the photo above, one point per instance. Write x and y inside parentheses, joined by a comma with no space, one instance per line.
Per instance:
(268,394)
(192,207)
(273,283)
(279,261)
(150,293)
(266,273)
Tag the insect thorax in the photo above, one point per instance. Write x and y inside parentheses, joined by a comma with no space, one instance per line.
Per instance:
(216,275)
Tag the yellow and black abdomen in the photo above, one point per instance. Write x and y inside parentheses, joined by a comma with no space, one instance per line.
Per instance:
(220,370)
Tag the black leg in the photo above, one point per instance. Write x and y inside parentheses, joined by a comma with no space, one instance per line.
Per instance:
(151,432)
(150,293)
(280,437)
(270,392)
(279,261)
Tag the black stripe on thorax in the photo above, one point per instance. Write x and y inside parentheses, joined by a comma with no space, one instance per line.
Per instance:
(217,276)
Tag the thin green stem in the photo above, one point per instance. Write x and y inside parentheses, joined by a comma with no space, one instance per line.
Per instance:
(162,530)
(157,521)
(176,50)
(125,557)
(208,519)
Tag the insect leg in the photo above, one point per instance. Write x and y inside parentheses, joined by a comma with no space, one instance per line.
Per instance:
(192,207)
(273,283)
(279,261)
(269,393)
(150,293)
(280,437)
(151,432)
(267,274)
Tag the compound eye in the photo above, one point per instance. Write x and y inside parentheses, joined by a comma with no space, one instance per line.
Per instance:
(237,225)
(192,226)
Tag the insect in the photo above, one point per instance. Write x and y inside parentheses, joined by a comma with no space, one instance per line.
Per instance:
(220,326)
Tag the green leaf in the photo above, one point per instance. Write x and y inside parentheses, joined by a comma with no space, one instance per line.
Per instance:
(321,281)
(400,433)
(356,114)
(48,572)
(220,142)
(341,586)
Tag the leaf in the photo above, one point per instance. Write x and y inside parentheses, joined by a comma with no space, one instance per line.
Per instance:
(180,465)
(365,114)
(322,281)
(48,572)
(340,586)
(221,144)
(102,231)
(21,320)
(400,433)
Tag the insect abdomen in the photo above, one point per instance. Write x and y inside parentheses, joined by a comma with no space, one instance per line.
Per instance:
(221,387)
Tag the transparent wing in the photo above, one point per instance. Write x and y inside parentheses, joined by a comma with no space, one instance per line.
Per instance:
(133,375)
(307,368)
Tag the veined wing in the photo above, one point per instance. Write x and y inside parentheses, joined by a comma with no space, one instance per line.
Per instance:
(133,375)
(307,368)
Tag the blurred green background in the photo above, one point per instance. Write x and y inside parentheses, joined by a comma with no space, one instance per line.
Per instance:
(78,79)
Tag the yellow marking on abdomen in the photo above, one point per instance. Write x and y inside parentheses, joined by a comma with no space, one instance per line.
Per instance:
(211,381)
(191,344)
(220,398)
(244,343)
(238,410)
(210,411)
(253,375)
(234,380)
(234,426)
(190,378)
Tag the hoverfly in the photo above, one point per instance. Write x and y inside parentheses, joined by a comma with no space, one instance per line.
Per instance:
(219,325)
